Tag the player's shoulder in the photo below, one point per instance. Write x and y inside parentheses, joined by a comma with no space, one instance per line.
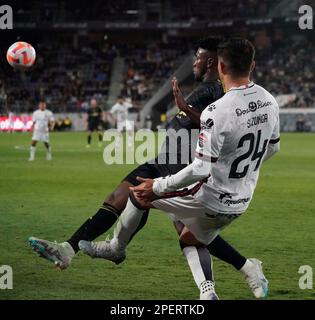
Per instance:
(216,107)
(266,95)
(212,90)
(215,111)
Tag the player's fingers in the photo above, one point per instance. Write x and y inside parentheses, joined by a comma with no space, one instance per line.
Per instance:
(142,179)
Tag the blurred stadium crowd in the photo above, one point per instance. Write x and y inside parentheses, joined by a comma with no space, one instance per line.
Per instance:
(68,73)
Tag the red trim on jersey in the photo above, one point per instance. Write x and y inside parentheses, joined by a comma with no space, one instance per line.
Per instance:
(184,192)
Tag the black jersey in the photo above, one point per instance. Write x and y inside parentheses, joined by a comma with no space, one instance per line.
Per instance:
(94,115)
(175,151)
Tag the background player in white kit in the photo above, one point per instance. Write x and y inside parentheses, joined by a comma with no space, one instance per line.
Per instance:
(238,132)
(43,122)
(121,115)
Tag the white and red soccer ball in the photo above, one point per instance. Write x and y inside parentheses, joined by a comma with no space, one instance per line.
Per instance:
(21,55)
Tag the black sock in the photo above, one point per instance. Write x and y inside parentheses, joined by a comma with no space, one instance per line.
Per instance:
(102,221)
(142,223)
(89,138)
(100,138)
(225,252)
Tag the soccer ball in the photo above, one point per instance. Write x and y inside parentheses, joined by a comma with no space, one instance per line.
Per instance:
(21,55)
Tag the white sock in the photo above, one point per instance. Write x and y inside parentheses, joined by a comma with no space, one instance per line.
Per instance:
(246,267)
(32,151)
(194,263)
(126,226)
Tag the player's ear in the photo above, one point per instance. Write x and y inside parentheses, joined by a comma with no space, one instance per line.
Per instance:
(210,62)
(221,67)
(253,65)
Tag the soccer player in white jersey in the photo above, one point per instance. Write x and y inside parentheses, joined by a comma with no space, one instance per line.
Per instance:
(120,112)
(238,133)
(43,122)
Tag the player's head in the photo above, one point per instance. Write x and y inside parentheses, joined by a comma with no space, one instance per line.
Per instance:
(42,104)
(235,58)
(93,103)
(120,99)
(206,62)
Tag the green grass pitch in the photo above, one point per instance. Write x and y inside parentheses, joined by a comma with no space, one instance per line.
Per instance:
(51,199)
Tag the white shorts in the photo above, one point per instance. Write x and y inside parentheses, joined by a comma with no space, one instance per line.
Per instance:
(204,224)
(127,125)
(40,136)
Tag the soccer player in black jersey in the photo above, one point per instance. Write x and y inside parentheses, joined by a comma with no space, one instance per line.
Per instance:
(208,91)
(94,122)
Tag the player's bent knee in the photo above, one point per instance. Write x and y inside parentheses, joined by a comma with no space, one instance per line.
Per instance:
(179,226)
(119,197)
(188,239)
(111,208)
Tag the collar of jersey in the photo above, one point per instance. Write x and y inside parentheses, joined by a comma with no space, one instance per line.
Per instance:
(246,86)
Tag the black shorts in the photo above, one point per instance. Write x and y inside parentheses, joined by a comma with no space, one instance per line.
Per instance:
(94,126)
(151,170)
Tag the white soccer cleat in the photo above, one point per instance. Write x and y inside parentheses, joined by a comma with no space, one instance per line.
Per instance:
(207,291)
(255,277)
(48,156)
(31,159)
(60,254)
(102,249)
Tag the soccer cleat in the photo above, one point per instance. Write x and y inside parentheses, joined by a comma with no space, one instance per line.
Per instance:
(255,277)
(48,156)
(102,249)
(60,254)
(207,291)
(31,159)
(88,146)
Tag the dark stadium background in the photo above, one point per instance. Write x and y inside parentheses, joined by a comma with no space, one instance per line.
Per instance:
(103,49)
(107,48)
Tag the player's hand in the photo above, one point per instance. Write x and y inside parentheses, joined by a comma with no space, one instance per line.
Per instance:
(144,191)
(143,203)
(179,98)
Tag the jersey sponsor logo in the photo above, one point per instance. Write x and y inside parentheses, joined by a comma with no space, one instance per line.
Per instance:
(252,107)
(211,107)
(205,125)
(255,121)
(225,195)
(237,201)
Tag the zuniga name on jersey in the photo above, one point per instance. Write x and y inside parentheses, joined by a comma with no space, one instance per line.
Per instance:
(261,118)
(252,107)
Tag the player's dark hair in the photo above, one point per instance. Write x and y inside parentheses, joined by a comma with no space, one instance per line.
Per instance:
(209,43)
(238,54)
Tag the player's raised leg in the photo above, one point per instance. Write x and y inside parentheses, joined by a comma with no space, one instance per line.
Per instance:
(130,221)
(93,227)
